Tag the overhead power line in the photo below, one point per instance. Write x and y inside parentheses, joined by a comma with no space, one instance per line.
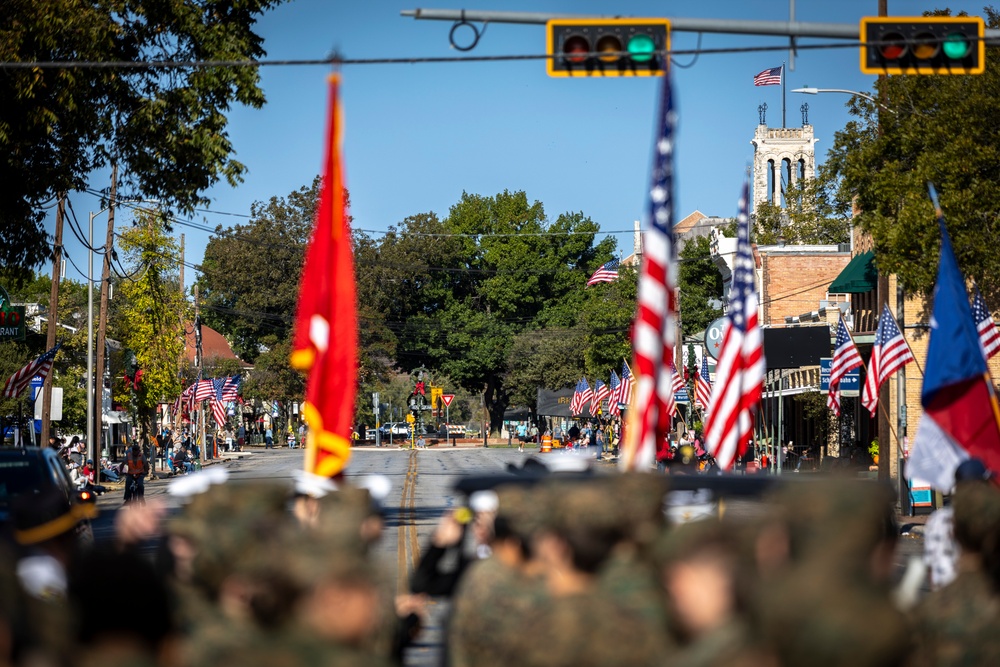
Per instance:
(411,60)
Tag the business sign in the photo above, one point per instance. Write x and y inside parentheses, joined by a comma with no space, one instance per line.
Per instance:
(11,319)
(850,384)
(713,337)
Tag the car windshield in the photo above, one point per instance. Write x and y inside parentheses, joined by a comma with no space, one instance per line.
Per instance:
(17,477)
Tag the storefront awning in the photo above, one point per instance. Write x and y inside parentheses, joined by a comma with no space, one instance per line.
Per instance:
(857,277)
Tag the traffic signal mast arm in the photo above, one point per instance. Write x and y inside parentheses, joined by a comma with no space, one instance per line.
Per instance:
(677,24)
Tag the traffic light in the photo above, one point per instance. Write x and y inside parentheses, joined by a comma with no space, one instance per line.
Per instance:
(607,47)
(922,45)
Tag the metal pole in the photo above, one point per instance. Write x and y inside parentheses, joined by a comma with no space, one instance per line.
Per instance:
(677,24)
(90,347)
(781,420)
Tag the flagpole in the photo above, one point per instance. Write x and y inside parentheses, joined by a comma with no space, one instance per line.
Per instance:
(782,95)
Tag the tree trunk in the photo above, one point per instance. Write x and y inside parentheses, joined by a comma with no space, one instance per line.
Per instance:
(496,399)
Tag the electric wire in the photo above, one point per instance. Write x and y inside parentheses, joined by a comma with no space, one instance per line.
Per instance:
(336,61)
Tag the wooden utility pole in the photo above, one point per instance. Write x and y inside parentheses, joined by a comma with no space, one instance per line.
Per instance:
(102,319)
(50,338)
(885,451)
(199,362)
(183,357)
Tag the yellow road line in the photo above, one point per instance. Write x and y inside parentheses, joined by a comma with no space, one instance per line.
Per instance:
(407,530)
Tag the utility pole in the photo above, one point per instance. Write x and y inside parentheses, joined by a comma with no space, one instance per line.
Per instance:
(885,451)
(102,317)
(198,361)
(183,356)
(50,337)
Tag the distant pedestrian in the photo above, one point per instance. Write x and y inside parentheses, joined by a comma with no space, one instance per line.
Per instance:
(241,437)
(420,442)
(268,438)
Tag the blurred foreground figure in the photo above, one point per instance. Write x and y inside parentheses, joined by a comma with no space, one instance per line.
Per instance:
(959,624)
(825,558)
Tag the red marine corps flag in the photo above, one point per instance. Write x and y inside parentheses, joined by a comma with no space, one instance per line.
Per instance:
(326,325)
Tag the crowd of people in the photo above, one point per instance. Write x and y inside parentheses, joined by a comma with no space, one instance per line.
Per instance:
(583,571)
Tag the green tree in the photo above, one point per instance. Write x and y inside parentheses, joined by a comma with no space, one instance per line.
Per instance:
(150,321)
(812,215)
(552,358)
(250,274)
(166,128)
(274,379)
(456,292)
(699,283)
(939,129)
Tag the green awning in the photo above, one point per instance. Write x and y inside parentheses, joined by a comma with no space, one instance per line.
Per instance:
(858,276)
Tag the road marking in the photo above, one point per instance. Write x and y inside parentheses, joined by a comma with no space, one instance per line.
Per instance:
(407,530)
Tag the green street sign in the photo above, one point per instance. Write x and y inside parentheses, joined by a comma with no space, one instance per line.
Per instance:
(11,319)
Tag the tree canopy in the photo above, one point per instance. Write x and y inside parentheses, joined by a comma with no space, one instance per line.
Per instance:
(939,129)
(699,281)
(250,274)
(166,128)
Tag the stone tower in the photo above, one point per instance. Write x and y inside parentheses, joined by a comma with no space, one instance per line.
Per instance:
(782,155)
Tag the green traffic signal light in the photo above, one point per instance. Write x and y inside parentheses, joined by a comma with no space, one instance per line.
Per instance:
(956,46)
(641,48)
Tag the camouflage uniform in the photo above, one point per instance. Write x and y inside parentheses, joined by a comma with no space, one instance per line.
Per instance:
(827,607)
(488,614)
(957,624)
(599,626)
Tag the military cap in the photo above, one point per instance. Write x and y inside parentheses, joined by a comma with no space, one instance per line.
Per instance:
(836,518)
(638,499)
(522,507)
(976,505)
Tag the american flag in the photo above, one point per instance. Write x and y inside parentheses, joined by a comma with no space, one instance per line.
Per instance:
(586,395)
(989,335)
(219,412)
(676,385)
(574,405)
(606,274)
(655,321)
(769,77)
(20,380)
(614,383)
(889,354)
(845,360)
(739,373)
(702,385)
(203,390)
(625,390)
(231,391)
(601,392)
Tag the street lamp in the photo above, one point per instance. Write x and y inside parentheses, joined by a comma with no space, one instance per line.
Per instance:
(814,91)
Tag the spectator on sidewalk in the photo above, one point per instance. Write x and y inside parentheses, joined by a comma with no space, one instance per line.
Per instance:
(268,438)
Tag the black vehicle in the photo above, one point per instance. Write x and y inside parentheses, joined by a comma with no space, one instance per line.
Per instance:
(31,470)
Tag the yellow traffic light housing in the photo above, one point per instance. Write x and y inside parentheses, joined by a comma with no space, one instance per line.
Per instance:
(923,45)
(607,47)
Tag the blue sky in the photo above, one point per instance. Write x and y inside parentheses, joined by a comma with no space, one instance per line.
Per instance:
(417,136)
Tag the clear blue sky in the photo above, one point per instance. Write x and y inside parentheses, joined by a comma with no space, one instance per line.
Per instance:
(418,135)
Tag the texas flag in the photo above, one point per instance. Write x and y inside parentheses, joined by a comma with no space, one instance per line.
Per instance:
(961,416)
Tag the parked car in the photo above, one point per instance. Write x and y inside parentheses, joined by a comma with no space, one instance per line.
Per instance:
(31,470)
(397,429)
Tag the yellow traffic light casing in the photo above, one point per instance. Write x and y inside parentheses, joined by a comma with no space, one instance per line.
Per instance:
(633,47)
(922,45)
